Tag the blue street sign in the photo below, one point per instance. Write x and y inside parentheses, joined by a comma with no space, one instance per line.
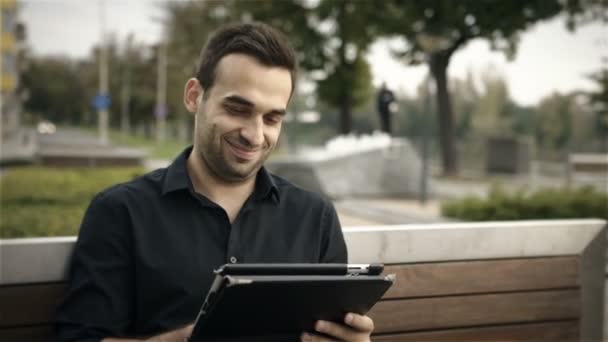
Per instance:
(101,101)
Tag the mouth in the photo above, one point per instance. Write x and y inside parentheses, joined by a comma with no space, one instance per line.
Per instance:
(242,152)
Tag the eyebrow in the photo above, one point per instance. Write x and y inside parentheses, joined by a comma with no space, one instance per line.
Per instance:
(239,100)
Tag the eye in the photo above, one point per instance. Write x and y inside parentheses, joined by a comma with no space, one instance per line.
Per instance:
(237,111)
(272,119)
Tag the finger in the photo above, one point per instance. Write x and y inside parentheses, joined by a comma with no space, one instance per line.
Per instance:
(188,329)
(339,331)
(306,337)
(359,322)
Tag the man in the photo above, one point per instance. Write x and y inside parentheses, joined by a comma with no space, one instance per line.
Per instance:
(384,99)
(147,248)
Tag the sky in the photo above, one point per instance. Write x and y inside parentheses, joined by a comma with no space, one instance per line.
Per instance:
(549,57)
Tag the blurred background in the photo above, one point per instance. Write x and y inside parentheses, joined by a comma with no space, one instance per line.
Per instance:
(404,112)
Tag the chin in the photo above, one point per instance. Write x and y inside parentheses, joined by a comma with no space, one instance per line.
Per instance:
(239,171)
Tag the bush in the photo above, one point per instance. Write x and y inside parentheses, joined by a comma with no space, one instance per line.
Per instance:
(543,204)
(37,201)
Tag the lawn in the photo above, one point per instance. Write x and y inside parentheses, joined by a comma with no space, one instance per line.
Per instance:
(39,201)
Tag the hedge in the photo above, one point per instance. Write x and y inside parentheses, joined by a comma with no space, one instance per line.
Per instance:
(583,202)
(38,201)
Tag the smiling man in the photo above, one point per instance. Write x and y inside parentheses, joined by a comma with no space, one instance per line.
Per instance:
(147,248)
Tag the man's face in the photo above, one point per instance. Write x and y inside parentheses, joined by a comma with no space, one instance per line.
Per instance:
(239,119)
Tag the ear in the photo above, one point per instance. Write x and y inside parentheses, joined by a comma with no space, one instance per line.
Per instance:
(193,93)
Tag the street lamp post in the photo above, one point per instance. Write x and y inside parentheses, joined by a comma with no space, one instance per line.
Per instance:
(102,110)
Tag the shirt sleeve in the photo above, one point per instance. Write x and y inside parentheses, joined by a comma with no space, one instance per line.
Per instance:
(98,301)
(333,249)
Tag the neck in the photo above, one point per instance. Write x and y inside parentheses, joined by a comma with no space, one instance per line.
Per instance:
(206,183)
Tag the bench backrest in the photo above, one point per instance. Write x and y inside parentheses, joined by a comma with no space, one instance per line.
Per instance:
(534,280)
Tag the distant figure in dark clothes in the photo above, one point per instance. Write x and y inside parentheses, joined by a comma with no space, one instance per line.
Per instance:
(385,98)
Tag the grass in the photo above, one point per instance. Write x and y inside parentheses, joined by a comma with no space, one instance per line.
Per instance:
(39,201)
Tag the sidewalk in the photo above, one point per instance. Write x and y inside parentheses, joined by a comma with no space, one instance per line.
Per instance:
(381,211)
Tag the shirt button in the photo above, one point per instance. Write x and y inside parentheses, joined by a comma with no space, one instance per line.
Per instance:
(233,260)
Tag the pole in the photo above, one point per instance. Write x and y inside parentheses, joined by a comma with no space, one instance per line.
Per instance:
(425,144)
(125,125)
(103,78)
(161,93)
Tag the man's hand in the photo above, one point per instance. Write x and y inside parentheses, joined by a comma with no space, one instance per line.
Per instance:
(179,335)
(357,329)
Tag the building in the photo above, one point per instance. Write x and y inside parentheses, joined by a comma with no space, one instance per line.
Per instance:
(11,47)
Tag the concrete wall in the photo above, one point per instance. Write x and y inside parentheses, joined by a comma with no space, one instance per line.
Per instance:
(395,170)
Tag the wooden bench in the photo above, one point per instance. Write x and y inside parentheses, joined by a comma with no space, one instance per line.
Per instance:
(527,280)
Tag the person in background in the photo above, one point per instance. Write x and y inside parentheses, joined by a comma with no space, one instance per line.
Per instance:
(384,99)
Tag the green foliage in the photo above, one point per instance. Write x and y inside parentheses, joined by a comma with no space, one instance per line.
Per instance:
(554,120)
(599,101)
(61,89)
(55,90)
(37,201)
(543,204)
(357,76)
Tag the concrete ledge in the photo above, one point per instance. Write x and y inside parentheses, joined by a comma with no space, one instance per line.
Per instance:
(34,260)
(470,241)
(45,259)
(393,170)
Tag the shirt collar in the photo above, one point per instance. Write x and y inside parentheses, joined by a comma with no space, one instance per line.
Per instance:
(265,186)
(177,178)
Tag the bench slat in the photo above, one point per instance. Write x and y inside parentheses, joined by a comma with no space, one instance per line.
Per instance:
(447,278)
(29,304)
(554,331)
(403,315)
(42,333)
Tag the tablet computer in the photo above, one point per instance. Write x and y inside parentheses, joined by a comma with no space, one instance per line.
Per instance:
(277,302)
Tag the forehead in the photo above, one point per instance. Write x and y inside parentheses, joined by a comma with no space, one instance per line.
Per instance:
(268,87)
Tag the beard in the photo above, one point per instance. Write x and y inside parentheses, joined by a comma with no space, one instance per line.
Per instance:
(215,151)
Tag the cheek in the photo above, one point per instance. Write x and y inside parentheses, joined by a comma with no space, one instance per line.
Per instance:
(272,136)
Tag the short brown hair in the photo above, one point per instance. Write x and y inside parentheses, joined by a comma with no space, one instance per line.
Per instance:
(266,44)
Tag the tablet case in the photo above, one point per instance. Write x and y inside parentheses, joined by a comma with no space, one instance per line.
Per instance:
(280,307)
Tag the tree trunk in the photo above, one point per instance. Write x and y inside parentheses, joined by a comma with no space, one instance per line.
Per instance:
(439,64)
(345,112)
(346,86)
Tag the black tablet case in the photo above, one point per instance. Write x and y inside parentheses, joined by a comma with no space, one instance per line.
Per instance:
(281,307)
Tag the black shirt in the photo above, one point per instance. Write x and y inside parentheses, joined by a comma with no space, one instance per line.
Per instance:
(146,249)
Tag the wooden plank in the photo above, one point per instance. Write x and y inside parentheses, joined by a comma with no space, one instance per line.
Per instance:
(447,278)
(554,331)
(459,311)
(41,333)
(29,304)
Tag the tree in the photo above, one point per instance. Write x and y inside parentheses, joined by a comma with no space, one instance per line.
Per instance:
(348,79)
(599,104)
(330,38)
(491,115)
(435,30)
(554,121)
(466,97)
(55,90)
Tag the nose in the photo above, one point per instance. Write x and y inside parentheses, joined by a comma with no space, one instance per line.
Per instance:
(253,132)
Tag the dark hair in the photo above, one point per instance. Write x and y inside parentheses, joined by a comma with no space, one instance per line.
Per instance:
(266,44)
